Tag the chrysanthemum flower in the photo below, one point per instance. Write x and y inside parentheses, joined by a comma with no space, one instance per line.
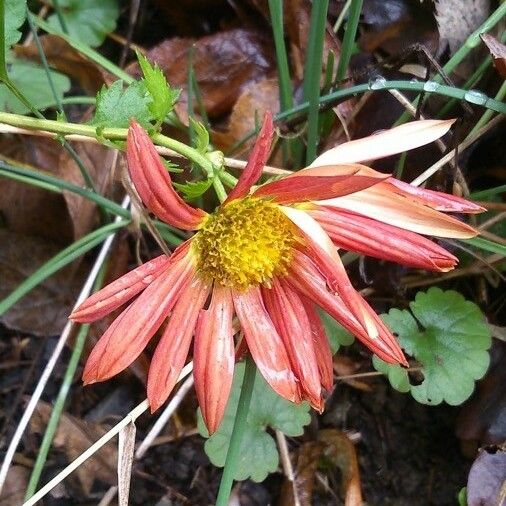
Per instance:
(269,256)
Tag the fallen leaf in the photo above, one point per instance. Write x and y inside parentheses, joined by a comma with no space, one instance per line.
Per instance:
(44,310)
(63,57)
(457,19)
(332,448)
(74,436)
(498,52)
(486,485)
(224,63)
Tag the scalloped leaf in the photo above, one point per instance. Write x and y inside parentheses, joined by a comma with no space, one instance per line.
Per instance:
(448,335)
(259,455)
(15,15)
(337,335)
(87,21)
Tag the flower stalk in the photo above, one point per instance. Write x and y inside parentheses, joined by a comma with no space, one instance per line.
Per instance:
(236,438)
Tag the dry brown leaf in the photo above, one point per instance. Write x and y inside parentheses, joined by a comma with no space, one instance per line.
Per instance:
(498,52)
(44,310)
(335,449)
(13,491)
(224,63)
(63,57)
(74,436)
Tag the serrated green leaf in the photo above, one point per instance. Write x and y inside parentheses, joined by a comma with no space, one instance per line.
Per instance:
(31,80)
(338,336)
(259,455)
(202,136)
(193,189)
(88,21)
(162,95)
(451,345)
(15,15)
(117,105)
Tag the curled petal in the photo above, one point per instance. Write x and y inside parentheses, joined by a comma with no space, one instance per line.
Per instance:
(388,142)
(370,237)
(292,323)
(153,183)
(382,204)
(321,345)
(172,350)
(129,334)
(437,200)
(257,159)
(306,185)
(214,357)
(305,277)
(265,345)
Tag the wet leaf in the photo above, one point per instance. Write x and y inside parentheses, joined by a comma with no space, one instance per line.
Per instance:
(498,52)
(87,21)
(451,345)
(32,81)
(485,485)
(117,105)
(259,455)
(44,310)
(74,436)
(224,63)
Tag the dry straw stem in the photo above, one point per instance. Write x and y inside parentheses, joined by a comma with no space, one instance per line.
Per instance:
(286,463)
(129,419)
(46,374)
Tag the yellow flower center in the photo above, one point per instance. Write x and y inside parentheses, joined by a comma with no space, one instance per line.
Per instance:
(244,243)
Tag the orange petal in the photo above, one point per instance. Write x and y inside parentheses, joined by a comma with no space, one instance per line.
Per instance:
(129,334)
(172,350)
(305,277)
(153,184)
(368,236)
(124,288)
(437,200)
(257,159)
(385,143)
(382,204)
(321,345)
(303,187)
(266,347)
(290,319)
(214,357)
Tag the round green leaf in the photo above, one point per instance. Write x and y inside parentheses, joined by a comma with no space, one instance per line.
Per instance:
(449,337)
(87,21)
(258,455)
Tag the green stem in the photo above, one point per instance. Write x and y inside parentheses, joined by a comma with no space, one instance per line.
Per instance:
(487,115)
(57,8)
(349,39)
(219,189)
(484,194)
(312,73)
(471,42)
(234,448)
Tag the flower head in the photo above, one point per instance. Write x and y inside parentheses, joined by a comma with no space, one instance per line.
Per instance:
(269,256)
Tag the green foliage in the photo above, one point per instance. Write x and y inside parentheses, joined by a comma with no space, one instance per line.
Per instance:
(116,106)
(193,189)
(462,497)
(338,336)
(449,337)
(259,455)
(15,15)
(87,21)
(31,80)
(201,136)
(162,95)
